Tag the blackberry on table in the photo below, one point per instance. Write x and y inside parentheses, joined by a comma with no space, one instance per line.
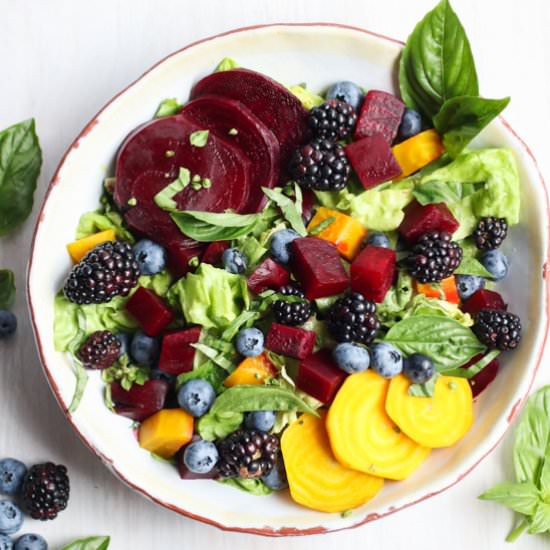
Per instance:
(100,350)
(247,453)
(353,319)
(332,120)
(498,329)
(490,233)
(46,490)
(291,313)
(321,165)
(434,257)
(109,270)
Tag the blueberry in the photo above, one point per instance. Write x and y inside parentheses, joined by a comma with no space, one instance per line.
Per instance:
(157,374)
(496,263)
(351,358)
(377,239)
(259,420)
(200,457)
(11,517)
(5,543)
(234,261)
(144,350)
(346,91)
(468,284)
(276,478)
(150,256)
(30,541)
(12,474)
(411,124)
(196,397)
(124,338)
(279,244)
(418,368)
(8,323)
(250,342)
(386,360)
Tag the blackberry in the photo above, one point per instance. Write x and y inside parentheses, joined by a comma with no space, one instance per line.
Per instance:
(434,257)
(490,233)
(353,319)
(109,270)
(291,313)
(247,453)
(100,350)
(332,120)
(46,490)
(498,329)
(320,165)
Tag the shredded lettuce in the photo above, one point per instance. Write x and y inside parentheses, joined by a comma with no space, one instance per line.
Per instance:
(308,98)
(226,64)
(99,220)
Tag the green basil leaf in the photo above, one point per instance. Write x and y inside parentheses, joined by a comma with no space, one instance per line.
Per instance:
(437,62)
(7,288)
(212,426)
(253,486)
(424,390)
(80,387)
(540,521)
(90,543)
(322,226)
(168,107)
(471,266)
(260,398)
(20,162)
(291,210)
(461,119)
(436,191)
(165,197)
(448,343)
(520,497)
(476,368)
(199,138)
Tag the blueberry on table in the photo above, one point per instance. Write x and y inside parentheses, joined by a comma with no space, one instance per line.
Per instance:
(6,543)
(200,457)
(346,91)
(30,541)
(11,517)
(351,358)
(144,350)
(468,284)
(496,263)
(234,261)
(418,368)
(8,323)
(386,360)
(280,244)
(250,342)
(196,397)
(276,478)
(150,256)
(12,475)
(375,238)
(411,124)
(259,420)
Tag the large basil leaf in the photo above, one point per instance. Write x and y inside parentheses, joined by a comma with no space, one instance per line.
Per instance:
(471,266)
(448,343)
(20,162)
(520,497)
(437,62)
(7,288)
(461,119)
(90,543)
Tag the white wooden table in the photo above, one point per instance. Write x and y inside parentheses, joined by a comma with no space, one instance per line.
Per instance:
(60,61)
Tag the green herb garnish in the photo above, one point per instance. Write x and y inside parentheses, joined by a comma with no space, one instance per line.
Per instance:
(322,225)
(7,288)
(165,197)
(199,138)
(168,107)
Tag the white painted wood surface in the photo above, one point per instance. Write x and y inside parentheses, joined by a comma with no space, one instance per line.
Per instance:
(60,61)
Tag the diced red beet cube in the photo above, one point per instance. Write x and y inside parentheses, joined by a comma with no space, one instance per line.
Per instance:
(291,341)
(373,272)
(484,377)
(317,266)
(269,274)
(373,160)
(139,402)
(319,376)
(186,473)
(213,253)
(177,354)
(481,299)
(150,311)
(380,113)
(420,219)
(180,256)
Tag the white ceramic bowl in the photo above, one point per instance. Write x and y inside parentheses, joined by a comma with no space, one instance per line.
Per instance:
(318,54)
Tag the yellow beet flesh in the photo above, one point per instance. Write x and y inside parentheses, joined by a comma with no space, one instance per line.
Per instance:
(438,421)
(166,432)
(316,479)
(79,249)
(362,435)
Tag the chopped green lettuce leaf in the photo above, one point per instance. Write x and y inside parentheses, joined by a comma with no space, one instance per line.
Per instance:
(168,107)
(214,426)
(99,220)
(253,486)
(306,97)
(226,64)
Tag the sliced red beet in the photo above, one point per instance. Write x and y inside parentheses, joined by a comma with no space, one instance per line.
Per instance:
(279,109)
(372,272)
(269,274)
(231,120)
(373,160)
(481,299)
(177,354)
(139,402)
(290,341)
(420,219)
(317,266)
(381,114)
(319,376)
(150,311)
(151,158)
(484,377)
(213,253)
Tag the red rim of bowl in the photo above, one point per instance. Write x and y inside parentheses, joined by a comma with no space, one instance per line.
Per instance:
(283,531)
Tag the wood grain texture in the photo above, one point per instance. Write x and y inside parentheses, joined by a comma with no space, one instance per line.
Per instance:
(60,61)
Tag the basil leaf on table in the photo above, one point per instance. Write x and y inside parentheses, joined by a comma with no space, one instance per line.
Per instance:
(520,497)
(437,62)
(7,288)
(90,543)
(20,162)
(461,119)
